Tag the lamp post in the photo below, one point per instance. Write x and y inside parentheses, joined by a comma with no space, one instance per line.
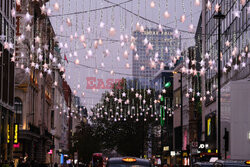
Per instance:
(219,16)
(181,94)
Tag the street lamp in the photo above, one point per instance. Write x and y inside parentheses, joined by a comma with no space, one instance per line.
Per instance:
(219,16)
(181,112)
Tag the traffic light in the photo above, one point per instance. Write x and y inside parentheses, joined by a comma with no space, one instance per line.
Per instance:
(167,85)
(226,138)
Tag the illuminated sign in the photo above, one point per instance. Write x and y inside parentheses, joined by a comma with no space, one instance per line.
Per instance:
(248,136)
(16,132)
(50,151)
(129,160)
(209,127)
(8,133)
(166,148)
(16,145)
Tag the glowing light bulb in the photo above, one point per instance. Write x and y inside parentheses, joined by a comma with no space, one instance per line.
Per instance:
(209,6)
(27,17)
(69,22)
(112,72)
(197,2)
(77,61)
(18,2)
(160,28)
(112,31)
(136,57)
(95,44)
(132,46)
(13,12)
(127,65)
(56,6)
(49,12)
(152,4)
(141,29)
(183,18)
(142,68)
(217,7)
(101,24)
(166,14)
(125,54)
(138,26)
(90,52)
(82,38)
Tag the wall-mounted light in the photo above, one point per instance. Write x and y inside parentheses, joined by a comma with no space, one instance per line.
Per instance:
(248,135)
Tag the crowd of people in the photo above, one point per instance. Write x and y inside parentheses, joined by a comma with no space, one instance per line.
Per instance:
(25,163)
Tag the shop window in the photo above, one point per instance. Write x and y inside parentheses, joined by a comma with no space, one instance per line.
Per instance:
(19,110)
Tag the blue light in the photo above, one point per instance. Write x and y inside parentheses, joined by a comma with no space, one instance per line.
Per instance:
(62,159)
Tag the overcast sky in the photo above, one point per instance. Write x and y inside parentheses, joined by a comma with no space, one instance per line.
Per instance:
(123,22)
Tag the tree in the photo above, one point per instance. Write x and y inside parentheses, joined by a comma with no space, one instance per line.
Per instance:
(86,142)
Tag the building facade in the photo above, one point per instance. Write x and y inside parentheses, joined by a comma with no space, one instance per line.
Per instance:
(7,116)
(234,64)
(154,48)
(34,83)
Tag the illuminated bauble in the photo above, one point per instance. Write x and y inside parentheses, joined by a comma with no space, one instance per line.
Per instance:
(162,65)
(125,54)
(191,27)
(112,31)
(96,71)
(18,2)
(112,72)
(28,17)
(56,6)
(142,68)
(197,2)
(90,53)
(101,24)
(13,12)
(89,29)
(118,58)
(176,33)
(150,46)
(145,41)
(138,26)
(102,64)
(209,5)
(217,7)
(136,57)
(76,61)
(166,14)
(141,29)
(132,46)
(95,44)
(242,2)
(127,65)
(152,4)
(183,18)
(68,21)
(160,28)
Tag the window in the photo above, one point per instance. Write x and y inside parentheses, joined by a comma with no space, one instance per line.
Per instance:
(52,119)
(19,110)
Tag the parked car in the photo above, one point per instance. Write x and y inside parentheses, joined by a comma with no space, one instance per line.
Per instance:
(203,164)
(232,163)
